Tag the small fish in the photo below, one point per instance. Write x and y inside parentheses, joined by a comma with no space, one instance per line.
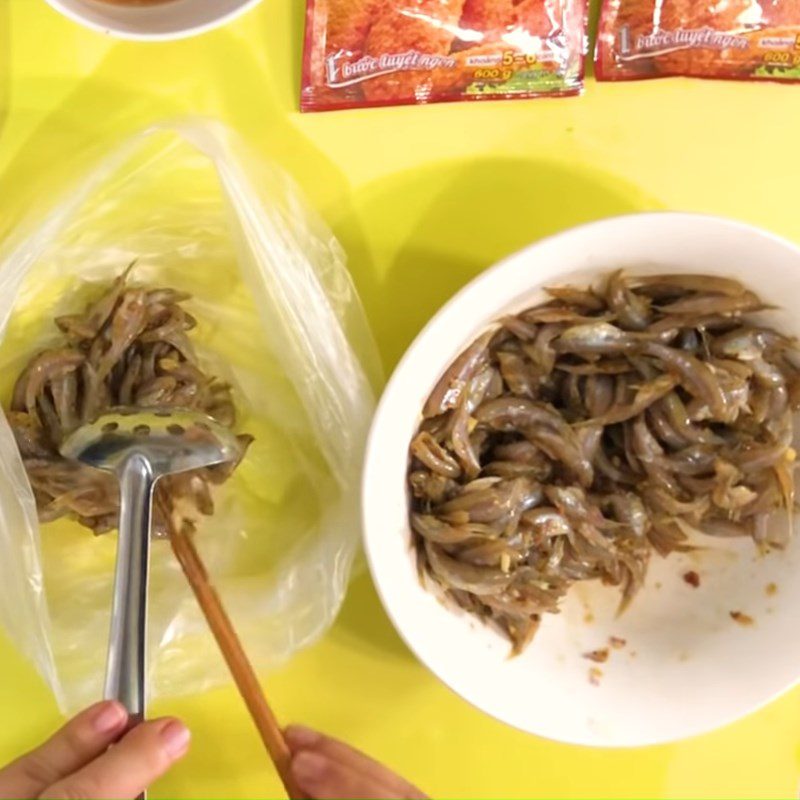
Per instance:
(467,577)
(555,314)
(495,502)
(582,298)
(427,450)
(126,325)
(89,324)
(541,351)
(606,366)
(436,530)
(597,429)
(547,521)
(518,374)
(511,413)
(631,310)
(664,501)
(107,360)
(31,438)
(646,395)
(448,390)
(156,392)
(696,376)
(715,304)
(599,394)
(677,415)
(629,509)
(45,367)
(595,338)
(681,284)
(748,343)
(431,487)
(664,430)
(64,390)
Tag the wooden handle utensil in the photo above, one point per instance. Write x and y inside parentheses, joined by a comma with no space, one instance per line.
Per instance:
(236,659)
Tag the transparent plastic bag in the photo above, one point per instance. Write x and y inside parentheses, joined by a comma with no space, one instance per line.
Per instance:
(279,318)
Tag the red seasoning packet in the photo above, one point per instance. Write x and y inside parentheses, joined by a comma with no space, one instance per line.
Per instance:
(392,52)
(734,39)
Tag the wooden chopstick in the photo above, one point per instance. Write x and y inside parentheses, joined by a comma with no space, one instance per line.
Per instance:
(236,659)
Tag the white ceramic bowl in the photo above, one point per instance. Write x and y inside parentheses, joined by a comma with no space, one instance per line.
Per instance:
(687,666)
(171,19)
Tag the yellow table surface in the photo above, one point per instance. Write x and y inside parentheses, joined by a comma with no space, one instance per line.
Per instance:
(422,199)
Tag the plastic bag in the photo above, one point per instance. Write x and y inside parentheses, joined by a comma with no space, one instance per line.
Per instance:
(373,53)
(279,318)
(735,39)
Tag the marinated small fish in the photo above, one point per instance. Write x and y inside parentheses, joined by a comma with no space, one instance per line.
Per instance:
(47,366)
(448,391)
(578,298)
(681,285)
(127,349)
(631,310)
(646,395)
(427,450)
(583,435)
(707,303)
(595,338)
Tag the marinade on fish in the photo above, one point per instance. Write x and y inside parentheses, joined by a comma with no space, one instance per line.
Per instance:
(570,441)
(129,349)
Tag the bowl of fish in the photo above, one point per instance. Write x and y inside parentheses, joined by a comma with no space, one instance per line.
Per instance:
(578,497)
(152,20)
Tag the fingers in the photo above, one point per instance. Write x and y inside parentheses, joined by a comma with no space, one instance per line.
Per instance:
(324,779)
(83,738)
(328,769)
(125,771)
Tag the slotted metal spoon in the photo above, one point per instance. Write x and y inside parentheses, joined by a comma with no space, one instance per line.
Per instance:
(140,448)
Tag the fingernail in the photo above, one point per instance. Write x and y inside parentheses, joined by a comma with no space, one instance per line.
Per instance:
(175,738)
(309,766)
(299,736)
(109,716)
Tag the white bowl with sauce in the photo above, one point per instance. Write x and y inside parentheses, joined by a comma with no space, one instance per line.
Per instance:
(687,666)
(152,20)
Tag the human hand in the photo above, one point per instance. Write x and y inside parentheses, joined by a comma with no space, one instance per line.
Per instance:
(327,769)
(76,761)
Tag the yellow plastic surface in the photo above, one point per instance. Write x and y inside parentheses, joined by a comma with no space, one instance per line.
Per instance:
(423,199)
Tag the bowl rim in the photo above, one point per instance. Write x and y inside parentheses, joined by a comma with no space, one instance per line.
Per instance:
(144,36)
(379,422)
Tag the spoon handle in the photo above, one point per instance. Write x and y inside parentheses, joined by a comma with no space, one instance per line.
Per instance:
(125,668)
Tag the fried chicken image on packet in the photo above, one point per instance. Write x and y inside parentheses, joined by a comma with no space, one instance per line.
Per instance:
(394,52)
(726,39)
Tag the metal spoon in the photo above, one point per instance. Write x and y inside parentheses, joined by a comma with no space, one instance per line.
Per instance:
(141,447)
